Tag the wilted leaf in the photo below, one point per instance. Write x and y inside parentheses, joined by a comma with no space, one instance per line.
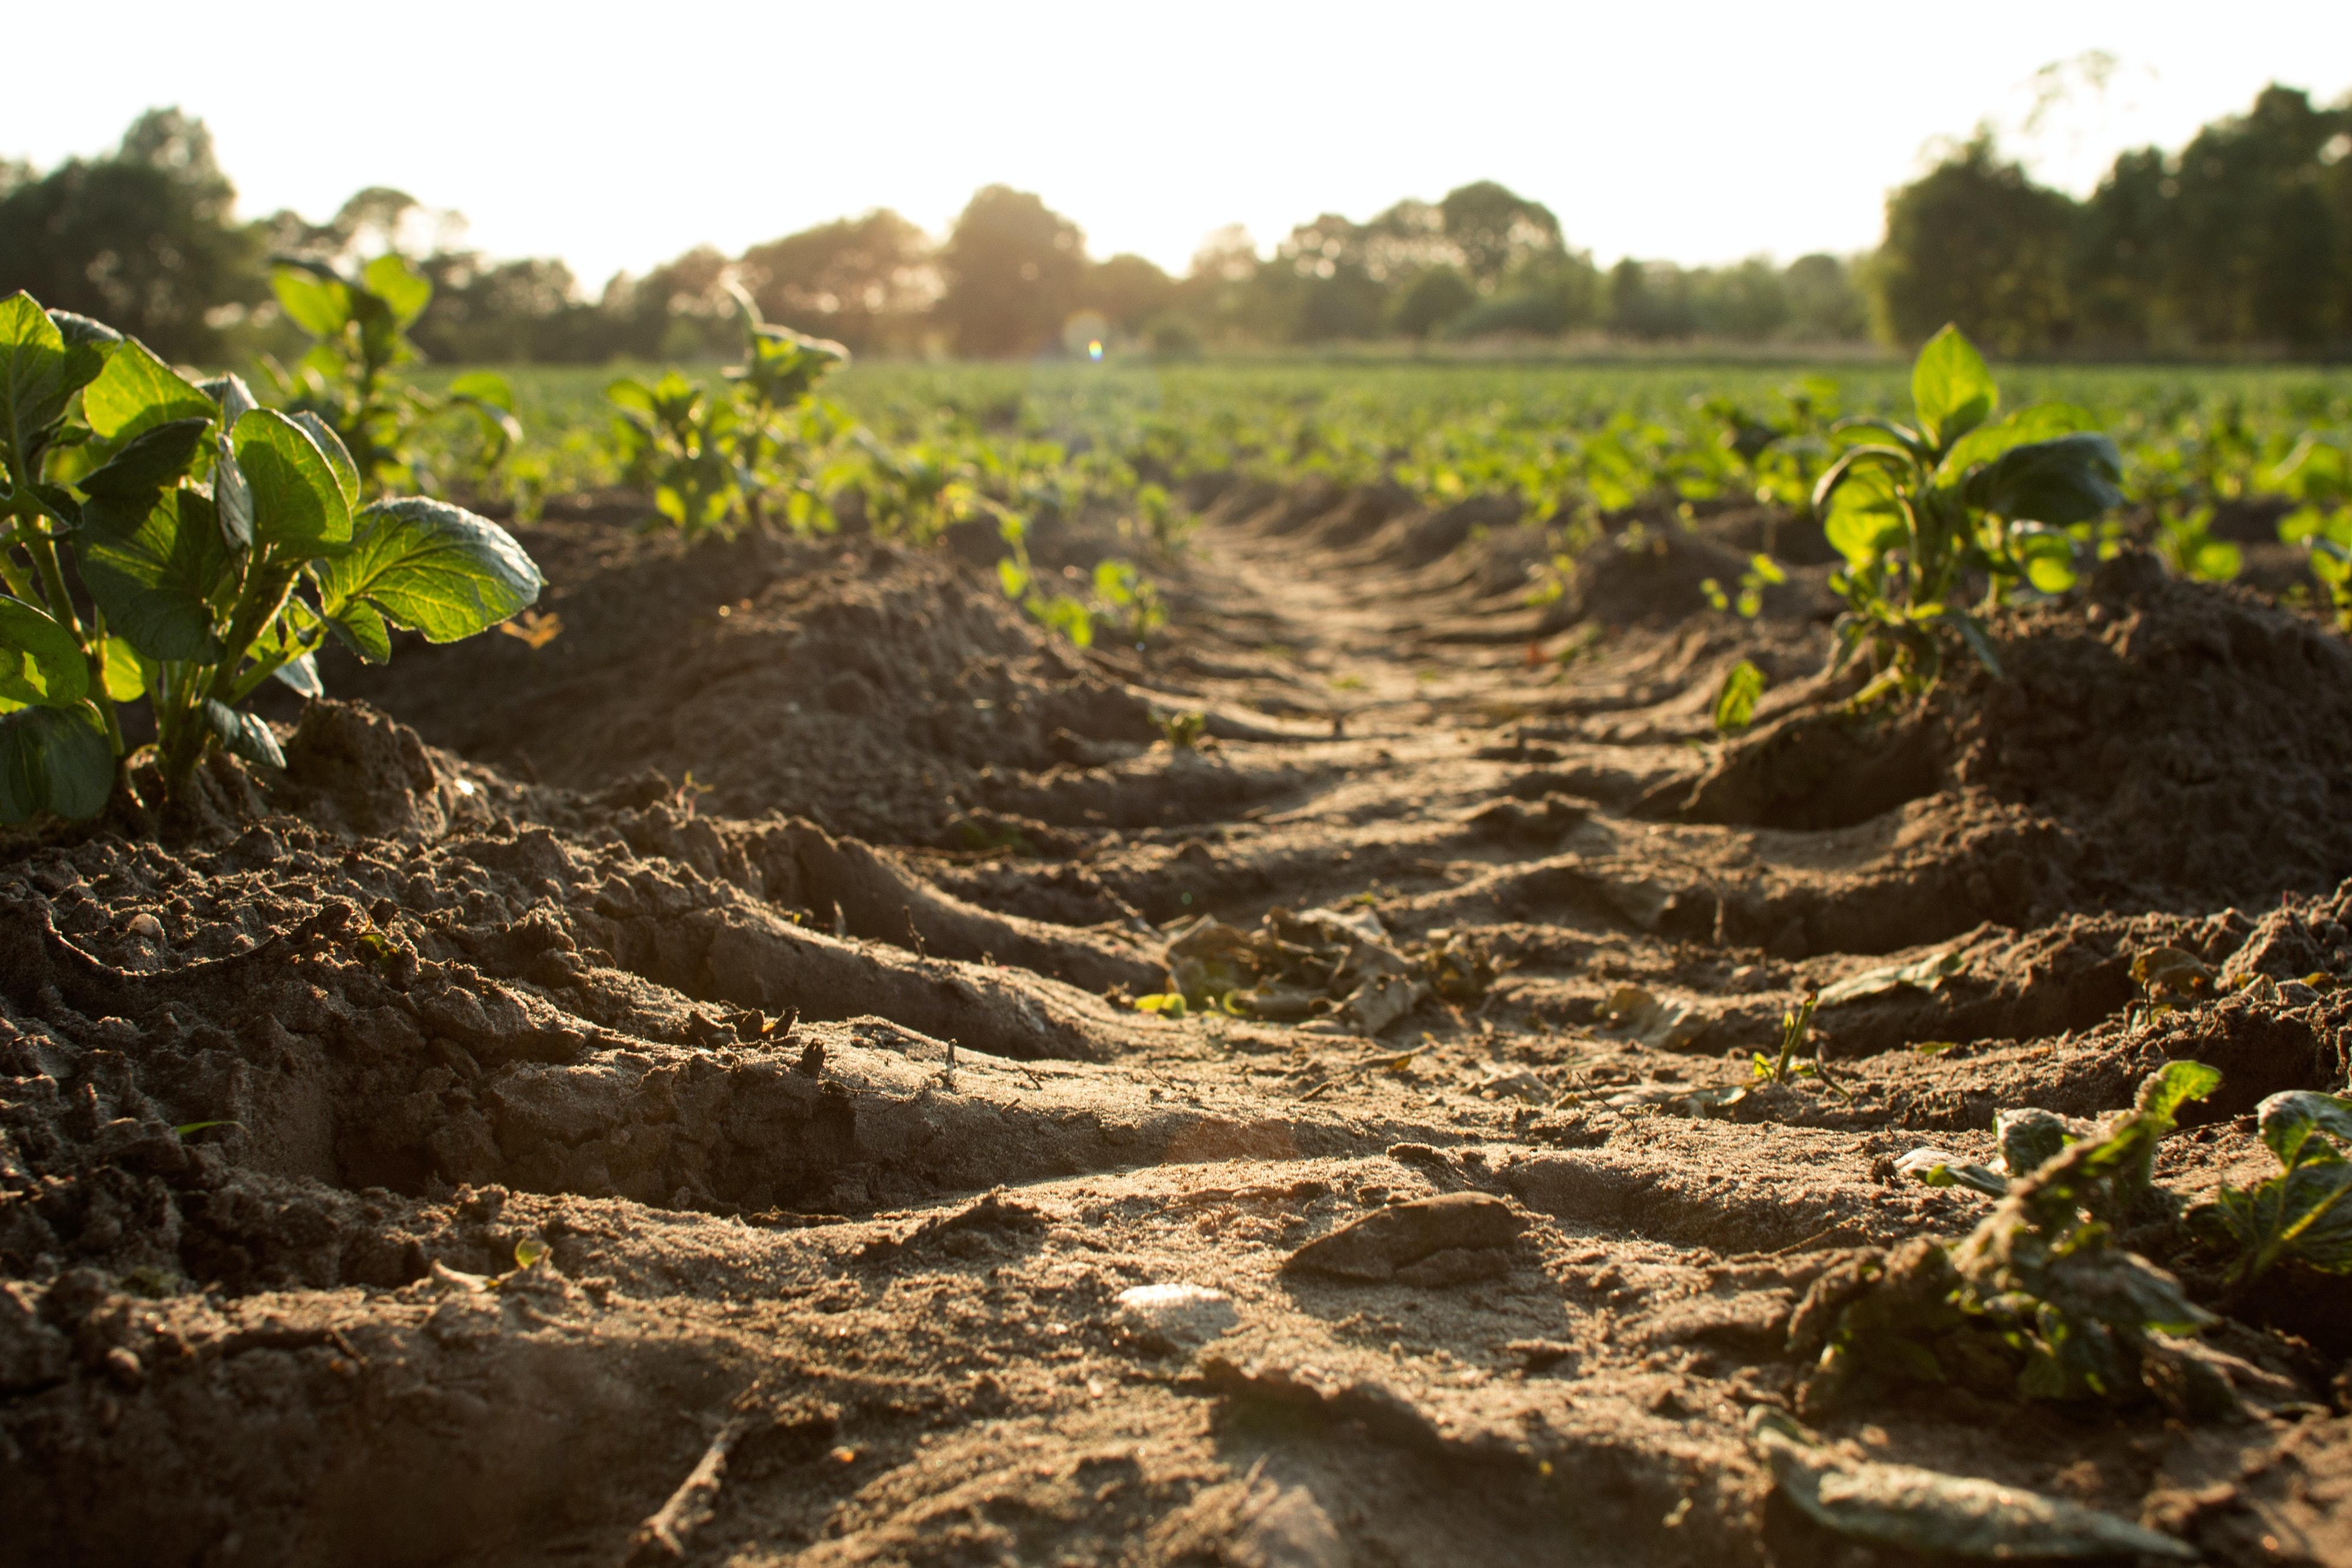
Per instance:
(1927,974)
(1927,1510)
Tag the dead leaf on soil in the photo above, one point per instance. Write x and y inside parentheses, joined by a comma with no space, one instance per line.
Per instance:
(1661,1026)
(1927,974)
(1926,1510)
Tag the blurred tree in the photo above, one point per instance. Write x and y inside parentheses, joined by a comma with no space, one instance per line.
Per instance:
(1127,291)
(141,239)
(1437,296)
(1825,301)
(1495,230)
(863,281)
(2253,245)
(1013,268)
(1976,242)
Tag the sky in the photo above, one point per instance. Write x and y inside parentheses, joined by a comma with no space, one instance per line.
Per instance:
(617,136)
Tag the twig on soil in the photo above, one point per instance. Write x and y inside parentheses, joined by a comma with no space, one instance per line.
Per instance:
(662,1537)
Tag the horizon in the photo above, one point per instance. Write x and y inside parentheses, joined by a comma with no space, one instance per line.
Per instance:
(1148,181)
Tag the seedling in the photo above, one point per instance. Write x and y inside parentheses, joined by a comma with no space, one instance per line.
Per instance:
(1183,731)
(1795,1024)
(1761,573)
(220,544)
(2303,1213)
(1918,510)
(2038,1297)
(1735,699)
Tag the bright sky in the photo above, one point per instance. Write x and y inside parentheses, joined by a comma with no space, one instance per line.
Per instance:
(1698,131)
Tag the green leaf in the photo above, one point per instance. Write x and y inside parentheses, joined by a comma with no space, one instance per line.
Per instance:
(1735,699)
(2048,554)
(2291,1120)
(231,497)
(149,462)
(632,394)
(2036,421)
(430,566)
(403,289)
(155,571)
(33,386)
(126,671)
(2027,1137)
(338,456)
(360,627)
(41,664)
(2065,480)
(242,735)
(88,345)
(320,306)
(137,391)
(302,673)
(53,759)
(486,387)
(2169,1088)
(1864,516)
(297,497)
(1951,387)
(230,397)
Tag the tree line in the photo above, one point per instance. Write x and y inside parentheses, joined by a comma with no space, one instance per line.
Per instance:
(2241,242)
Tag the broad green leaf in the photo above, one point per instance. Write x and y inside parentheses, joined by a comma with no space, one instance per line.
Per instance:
(242,735)
(53,759)
(430,566)
(1864,518)
(155,572)
(2172,1086)
(484,386)
(2216,560)
(126,671)
(338,456)
(2048,554)
(137,391)
(231,497)
(89,344)
(632,394)
(2036,421)
(1951,387)
(298,498)
(403,289)
(149,462)
(320,306)
(360,627)
(2065,480)
(33,387)
(2289,1121)
(41,664)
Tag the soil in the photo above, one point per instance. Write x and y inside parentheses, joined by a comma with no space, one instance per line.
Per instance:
(674,1093)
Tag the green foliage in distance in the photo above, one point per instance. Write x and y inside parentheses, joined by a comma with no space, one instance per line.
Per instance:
(219,543)
(1916,507)
(359,330)
(2304,1212)
(717,460)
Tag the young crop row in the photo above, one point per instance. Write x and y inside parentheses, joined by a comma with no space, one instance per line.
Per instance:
(922,446)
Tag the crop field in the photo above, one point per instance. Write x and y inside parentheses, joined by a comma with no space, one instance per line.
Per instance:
(1218,962)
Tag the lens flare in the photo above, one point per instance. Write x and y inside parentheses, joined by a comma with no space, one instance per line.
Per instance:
(1094,349)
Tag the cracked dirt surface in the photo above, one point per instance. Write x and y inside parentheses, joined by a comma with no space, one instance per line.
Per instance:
(577,1114)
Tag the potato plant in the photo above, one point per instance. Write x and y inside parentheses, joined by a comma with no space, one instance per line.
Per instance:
(1925,510)
(216,545)
(360,325)
(717,460)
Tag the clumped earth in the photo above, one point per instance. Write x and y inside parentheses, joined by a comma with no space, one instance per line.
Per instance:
(674,1093)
